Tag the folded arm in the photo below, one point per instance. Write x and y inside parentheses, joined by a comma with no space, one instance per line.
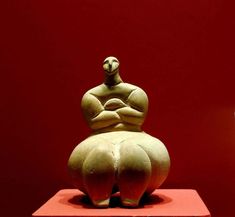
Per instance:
(137,108)
(95,114)
(130,115)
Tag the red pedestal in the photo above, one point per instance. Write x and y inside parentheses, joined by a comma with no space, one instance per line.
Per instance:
(163,202)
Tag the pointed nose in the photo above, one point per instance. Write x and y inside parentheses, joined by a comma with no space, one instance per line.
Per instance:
(110,66)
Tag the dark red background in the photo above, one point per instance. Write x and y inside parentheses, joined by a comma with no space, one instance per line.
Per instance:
(181,52)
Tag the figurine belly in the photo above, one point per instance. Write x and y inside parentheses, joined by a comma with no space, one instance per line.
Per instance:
(134,162)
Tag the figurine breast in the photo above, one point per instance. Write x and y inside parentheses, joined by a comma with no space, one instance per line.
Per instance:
(113,104)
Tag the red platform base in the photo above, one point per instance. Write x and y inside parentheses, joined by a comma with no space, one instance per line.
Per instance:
(163,202)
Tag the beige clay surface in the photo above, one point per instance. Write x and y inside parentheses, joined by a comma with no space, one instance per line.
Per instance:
(118,156)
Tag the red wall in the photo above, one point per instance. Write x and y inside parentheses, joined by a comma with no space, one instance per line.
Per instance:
(181,52)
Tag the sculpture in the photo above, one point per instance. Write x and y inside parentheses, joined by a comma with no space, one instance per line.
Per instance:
(118,156)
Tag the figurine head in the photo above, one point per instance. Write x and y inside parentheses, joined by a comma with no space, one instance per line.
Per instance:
(111,65)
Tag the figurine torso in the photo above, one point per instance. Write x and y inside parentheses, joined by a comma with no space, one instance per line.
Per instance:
(119,107)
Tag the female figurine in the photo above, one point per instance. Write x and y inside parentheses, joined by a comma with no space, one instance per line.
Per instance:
(118,156)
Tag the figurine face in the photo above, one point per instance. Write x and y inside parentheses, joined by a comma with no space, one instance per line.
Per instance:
(111,65)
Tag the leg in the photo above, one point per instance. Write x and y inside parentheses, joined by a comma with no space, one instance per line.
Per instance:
(99,174)
(159,158)
(134,172)
(77,158)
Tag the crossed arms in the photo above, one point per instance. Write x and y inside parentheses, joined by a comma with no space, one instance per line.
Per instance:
(100,116)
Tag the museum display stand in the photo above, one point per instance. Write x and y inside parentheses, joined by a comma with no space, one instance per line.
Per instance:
(163,202)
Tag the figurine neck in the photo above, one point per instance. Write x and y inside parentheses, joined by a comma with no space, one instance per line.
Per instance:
(111,80)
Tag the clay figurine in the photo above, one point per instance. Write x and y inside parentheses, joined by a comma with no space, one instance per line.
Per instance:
(118,155)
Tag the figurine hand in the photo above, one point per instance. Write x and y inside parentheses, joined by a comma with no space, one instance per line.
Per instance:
(105,119)
(131,115)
